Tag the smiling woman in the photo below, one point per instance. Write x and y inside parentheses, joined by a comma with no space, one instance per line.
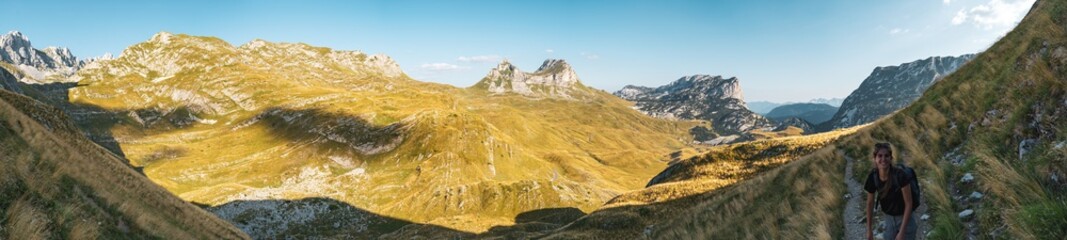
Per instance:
(889,188)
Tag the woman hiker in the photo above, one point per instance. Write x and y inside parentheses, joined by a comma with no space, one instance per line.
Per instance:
(892,188)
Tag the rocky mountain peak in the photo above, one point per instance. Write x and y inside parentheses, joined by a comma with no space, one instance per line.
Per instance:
(504,68)
(62,56)
(701,96)
(555,78)
(890,88)
(630,92)
(558,72)
(15,39)
(161,37)
(36,65)
(384,64)
(717,86)
(16,49)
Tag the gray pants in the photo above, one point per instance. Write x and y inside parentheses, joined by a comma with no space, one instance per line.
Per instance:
(892,227)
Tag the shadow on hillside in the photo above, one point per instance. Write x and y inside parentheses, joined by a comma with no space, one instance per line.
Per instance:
(332,131)
(535,223)
(322,218)
(94,122)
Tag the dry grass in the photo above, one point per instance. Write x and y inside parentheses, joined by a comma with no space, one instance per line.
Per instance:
(459,152)
(788,132)
(25,221)
(783,187)
(980,114)
(56,182)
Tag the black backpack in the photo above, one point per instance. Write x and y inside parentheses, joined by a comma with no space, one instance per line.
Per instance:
(916,190)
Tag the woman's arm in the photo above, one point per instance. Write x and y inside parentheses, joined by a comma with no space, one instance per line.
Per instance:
(906,190)
(870,208)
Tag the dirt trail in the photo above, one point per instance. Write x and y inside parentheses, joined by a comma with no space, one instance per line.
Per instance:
(855,226)
(854,216)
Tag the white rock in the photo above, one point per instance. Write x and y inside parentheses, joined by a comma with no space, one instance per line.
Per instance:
(1025,146)
(966,214)
(975,196)
(967,178)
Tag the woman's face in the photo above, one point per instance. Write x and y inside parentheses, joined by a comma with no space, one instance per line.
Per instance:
(882,158)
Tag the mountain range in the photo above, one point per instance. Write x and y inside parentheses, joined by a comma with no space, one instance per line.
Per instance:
(288,140)
(353,130)
(764,107)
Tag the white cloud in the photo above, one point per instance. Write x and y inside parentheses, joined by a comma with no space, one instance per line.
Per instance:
(960,17)
(482,58)
(946,2)
(549,50)
(995,13)
(896,31)
(441,67)
(590,56)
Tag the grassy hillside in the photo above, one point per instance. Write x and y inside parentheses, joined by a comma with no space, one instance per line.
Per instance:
(55,183)
(215,123)
(728,193)
(999,118)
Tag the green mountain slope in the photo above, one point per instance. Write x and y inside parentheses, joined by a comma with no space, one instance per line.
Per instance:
(55,183)
(215,123)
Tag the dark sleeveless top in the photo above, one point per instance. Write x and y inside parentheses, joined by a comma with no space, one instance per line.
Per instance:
(893,202)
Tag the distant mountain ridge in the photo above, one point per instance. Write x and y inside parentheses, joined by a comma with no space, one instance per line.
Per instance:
(703,97)
(891,88)
(813,113)
(764,107)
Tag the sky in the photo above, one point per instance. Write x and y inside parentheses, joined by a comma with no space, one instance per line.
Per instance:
(782,51)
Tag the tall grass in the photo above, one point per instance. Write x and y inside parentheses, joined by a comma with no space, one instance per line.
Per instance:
(57,184)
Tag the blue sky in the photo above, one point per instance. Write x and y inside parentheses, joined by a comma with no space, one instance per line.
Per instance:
(780,50)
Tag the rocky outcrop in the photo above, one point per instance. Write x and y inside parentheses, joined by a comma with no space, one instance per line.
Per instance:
(891,88)
(703,97)
(554,79)
(266,54)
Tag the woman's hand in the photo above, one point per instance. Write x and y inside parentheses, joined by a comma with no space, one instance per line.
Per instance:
(900,235)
